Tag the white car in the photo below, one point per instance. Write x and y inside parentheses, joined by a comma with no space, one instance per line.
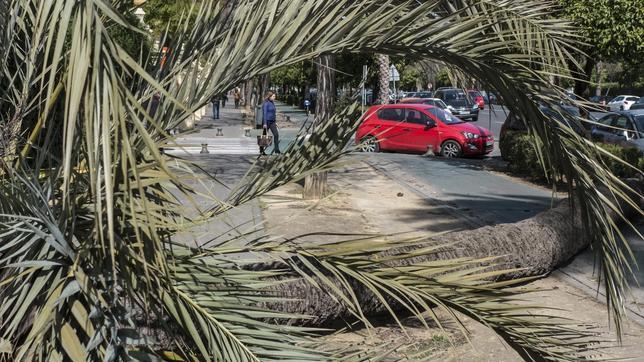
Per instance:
(622,103)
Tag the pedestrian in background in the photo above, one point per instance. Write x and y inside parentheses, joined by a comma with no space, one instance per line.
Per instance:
(237,97)
(269,121)
(224,99)
(215,106)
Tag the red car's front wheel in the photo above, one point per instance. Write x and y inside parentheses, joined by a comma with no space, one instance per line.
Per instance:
(451,149)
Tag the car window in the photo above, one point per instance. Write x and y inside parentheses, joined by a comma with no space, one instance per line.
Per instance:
(618,99)
(440,104)
(392,114)
(415,116)
(443,116)
(621,123)
(606,120)
(632,99)
(639,124)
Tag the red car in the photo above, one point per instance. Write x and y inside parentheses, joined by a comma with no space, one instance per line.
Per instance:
(477,98)
(419,127)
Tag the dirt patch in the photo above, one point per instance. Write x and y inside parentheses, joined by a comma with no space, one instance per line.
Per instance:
(366,201)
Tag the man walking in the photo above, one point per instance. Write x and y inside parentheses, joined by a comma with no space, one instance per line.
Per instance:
(224,99)
(215,106)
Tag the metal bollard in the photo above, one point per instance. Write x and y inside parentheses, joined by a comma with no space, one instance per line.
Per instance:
(204,148)
(247,132)
(220,132)
(430,151)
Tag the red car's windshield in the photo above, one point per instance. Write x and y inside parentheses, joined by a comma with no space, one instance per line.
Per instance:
(444,116)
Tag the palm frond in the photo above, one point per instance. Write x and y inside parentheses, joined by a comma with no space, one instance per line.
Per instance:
(90,203)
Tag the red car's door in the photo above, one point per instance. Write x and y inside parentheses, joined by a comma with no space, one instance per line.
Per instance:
(389,129)
(420,131)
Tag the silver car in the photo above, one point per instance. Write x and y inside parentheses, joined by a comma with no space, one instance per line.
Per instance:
(625,129)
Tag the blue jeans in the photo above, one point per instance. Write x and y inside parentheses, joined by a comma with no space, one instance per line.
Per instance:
(215,110)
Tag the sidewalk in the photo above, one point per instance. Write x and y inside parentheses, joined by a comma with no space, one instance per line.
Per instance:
(229,135)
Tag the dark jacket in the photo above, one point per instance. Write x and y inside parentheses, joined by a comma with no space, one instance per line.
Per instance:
(268,112)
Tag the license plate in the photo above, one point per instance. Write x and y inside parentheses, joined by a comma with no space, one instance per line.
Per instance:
(489,143)
(464,112)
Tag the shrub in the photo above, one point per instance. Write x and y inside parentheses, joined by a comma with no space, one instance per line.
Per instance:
(516,148)
(631,155)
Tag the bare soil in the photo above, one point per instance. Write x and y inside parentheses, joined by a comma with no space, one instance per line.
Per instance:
(365,201)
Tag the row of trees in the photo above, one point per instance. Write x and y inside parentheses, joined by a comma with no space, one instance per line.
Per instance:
(613,40)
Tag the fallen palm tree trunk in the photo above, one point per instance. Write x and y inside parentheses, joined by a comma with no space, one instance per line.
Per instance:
(529,248)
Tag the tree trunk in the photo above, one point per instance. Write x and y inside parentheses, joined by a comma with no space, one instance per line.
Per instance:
(383,78)
(264,81)
(248,94)
(582,85)
(535,246)
(315,185)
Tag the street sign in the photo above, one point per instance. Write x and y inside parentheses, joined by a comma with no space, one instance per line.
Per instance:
(393,74)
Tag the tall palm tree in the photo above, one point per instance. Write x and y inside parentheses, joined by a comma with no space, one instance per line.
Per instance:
(382,60)
(89,206)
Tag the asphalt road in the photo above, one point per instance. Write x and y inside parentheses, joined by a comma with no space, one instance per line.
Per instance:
(490,198)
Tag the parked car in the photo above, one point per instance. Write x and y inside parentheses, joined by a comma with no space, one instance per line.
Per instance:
(622,103)
(638,105)
(428,101)
(424,94)
(418,128)
(489,97)
(624,128)
(514,123)
(602,101)
(459,103)
(477,97)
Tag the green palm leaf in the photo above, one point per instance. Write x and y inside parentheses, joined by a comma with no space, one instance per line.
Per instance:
(89,203)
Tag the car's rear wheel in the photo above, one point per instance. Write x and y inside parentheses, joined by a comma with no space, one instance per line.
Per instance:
(451,149)
(474,119)
(369,144)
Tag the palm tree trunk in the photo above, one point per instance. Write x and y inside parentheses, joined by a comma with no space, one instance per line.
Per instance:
(264,81)
(383,78)
(315,185)
(532,247)
(248,94)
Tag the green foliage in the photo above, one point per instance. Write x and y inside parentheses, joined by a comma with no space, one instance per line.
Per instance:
(134,43)
(614,29)
(162,13)
(518,149)
(297,74)
(442,78)
(630,155)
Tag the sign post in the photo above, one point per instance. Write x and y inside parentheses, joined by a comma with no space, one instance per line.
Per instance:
(365,69)
(394,76)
